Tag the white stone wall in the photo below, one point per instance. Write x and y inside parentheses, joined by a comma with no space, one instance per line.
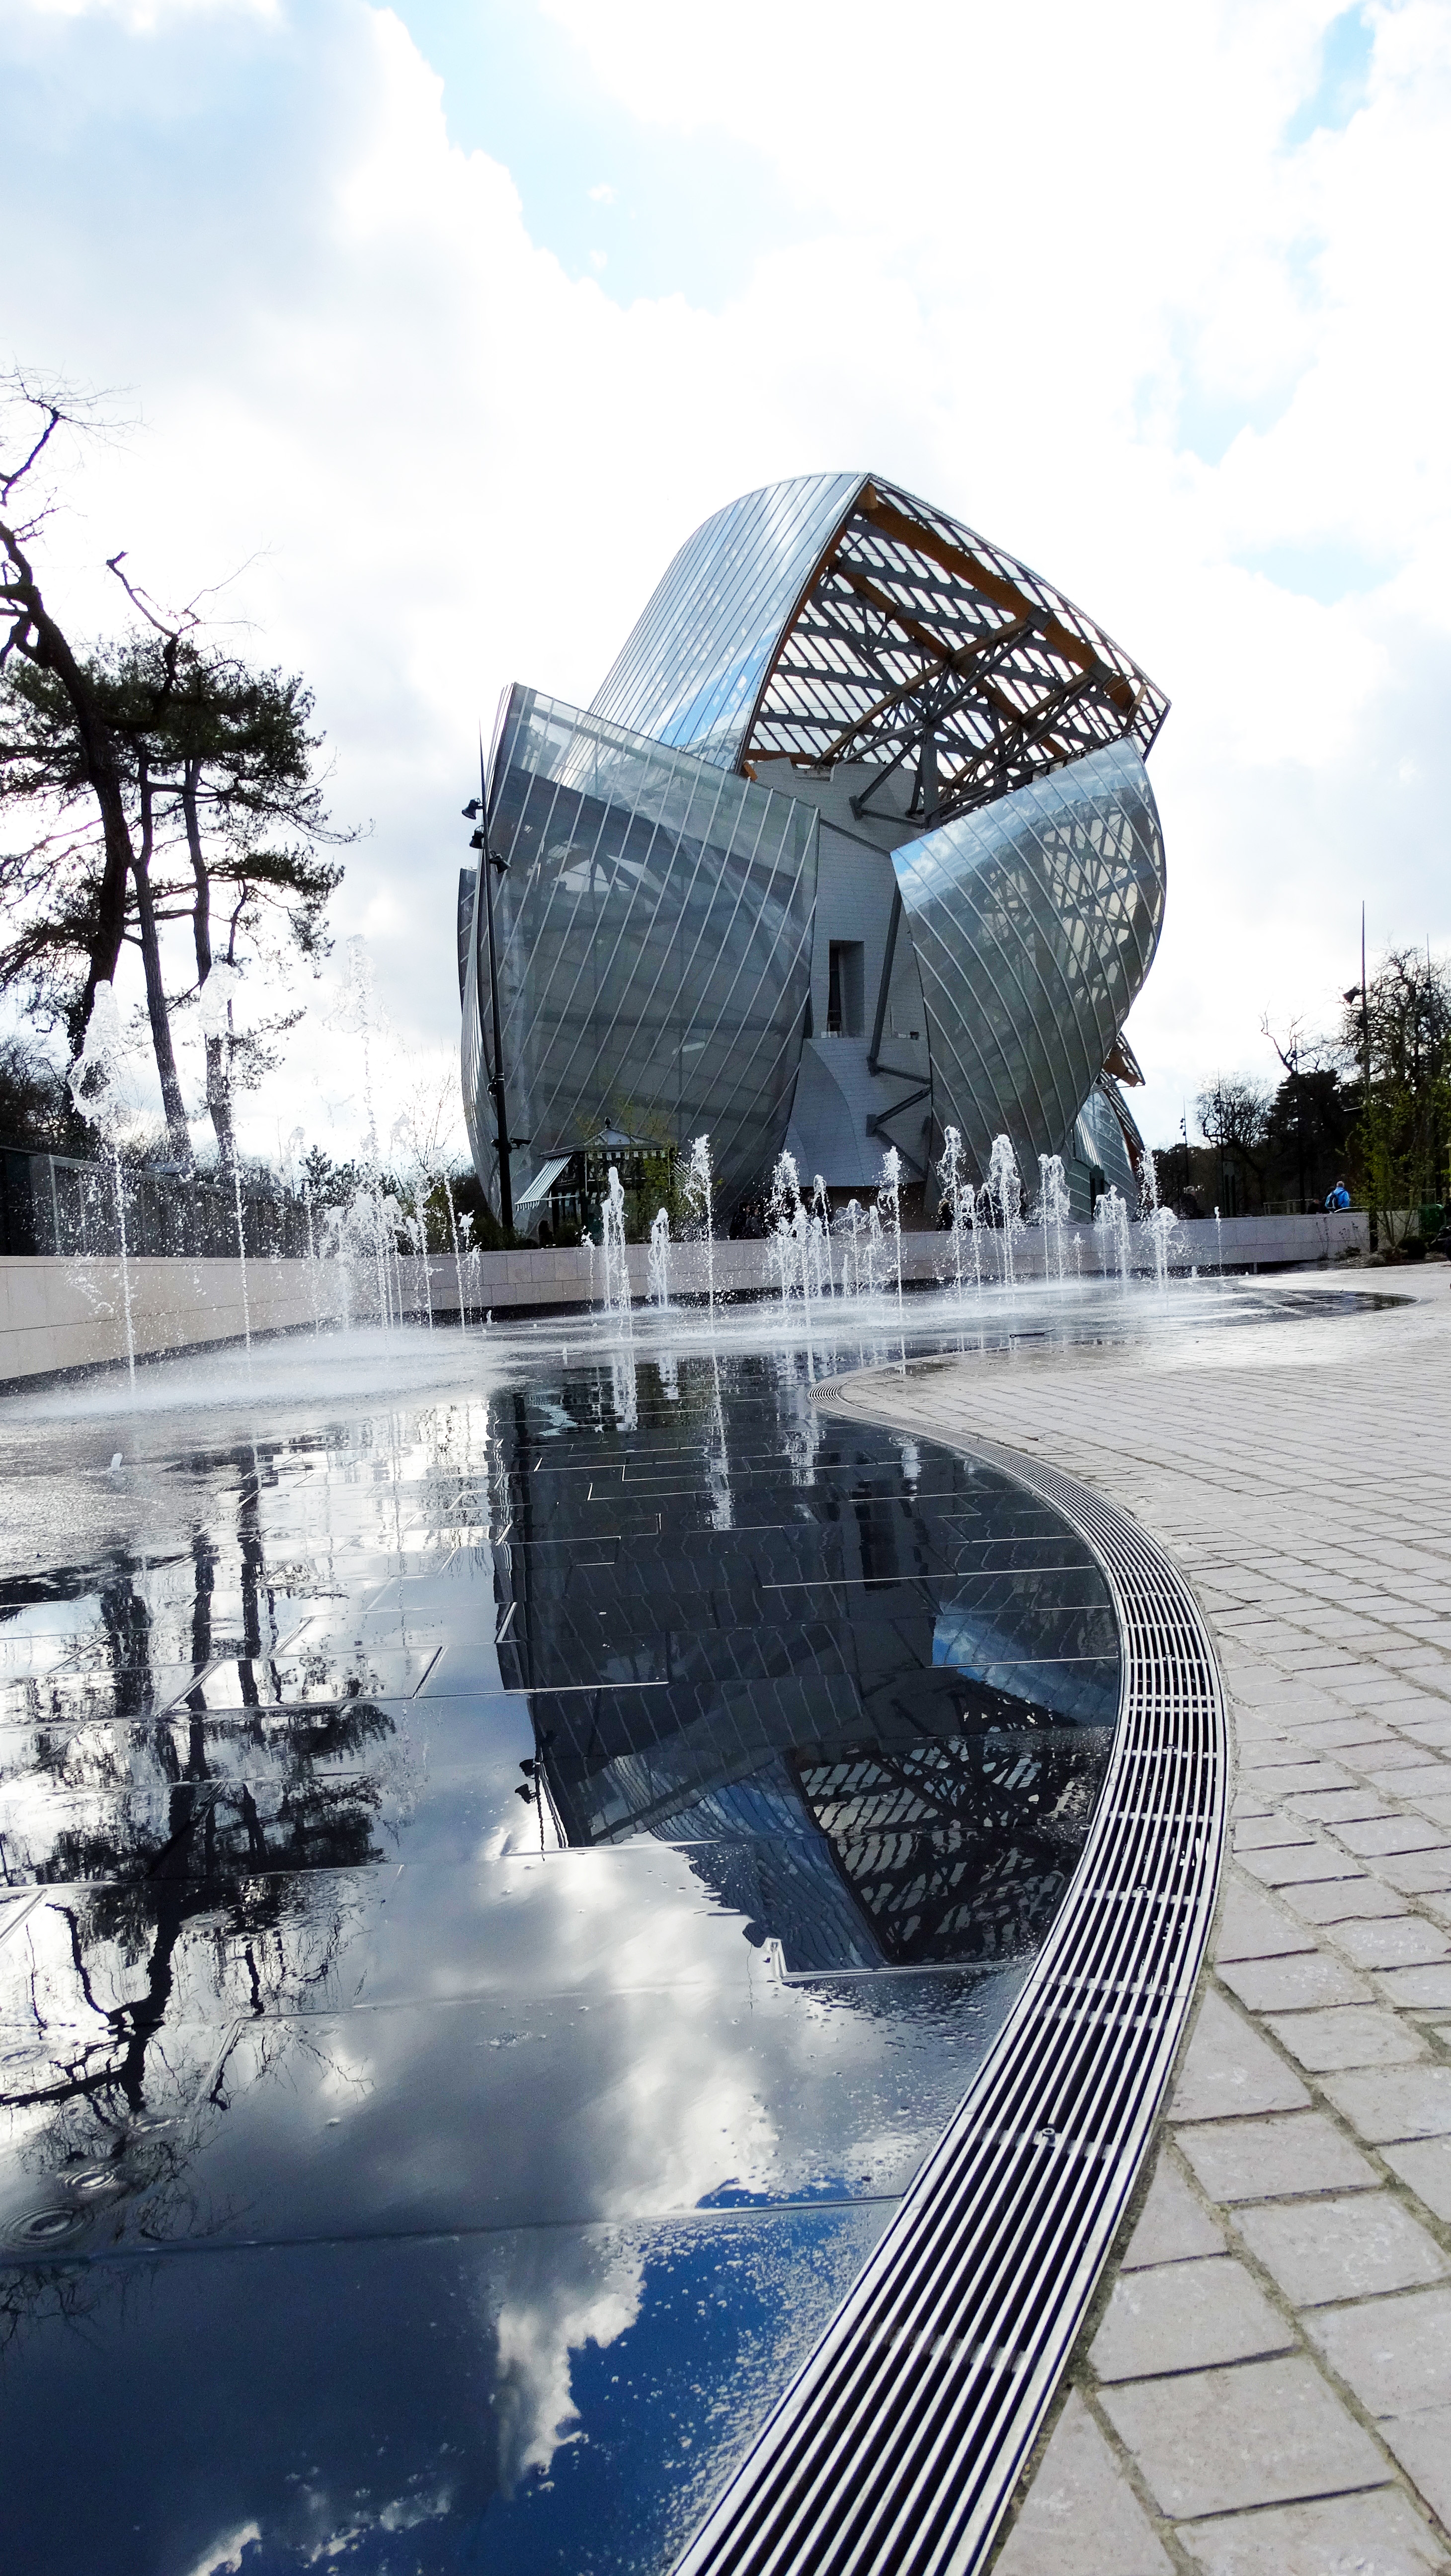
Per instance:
(70,1314)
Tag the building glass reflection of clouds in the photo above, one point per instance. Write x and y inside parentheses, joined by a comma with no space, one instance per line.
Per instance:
(856,842)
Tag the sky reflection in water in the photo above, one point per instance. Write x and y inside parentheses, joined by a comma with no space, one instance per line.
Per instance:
(412,2172)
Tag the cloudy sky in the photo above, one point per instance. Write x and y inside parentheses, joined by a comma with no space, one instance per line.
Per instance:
(441,326)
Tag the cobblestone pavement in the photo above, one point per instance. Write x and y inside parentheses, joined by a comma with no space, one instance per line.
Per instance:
(1263,2387)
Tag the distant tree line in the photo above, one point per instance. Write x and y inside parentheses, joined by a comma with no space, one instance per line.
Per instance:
(1367,1102)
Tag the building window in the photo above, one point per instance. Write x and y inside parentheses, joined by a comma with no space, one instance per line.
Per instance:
(844,988)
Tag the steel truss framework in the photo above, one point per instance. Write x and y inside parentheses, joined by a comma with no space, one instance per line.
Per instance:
(917,645)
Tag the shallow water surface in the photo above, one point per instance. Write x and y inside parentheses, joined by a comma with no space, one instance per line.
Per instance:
(503,1885)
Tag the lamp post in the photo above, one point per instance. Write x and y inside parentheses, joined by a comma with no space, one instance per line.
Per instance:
(477,812)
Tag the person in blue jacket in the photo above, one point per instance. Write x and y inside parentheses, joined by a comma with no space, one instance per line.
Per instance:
(1339,1196)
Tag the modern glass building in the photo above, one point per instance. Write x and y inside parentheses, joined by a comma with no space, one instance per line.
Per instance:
(855,843)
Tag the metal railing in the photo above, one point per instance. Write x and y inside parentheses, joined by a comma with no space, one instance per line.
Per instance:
(57,1204)
(1306,1207)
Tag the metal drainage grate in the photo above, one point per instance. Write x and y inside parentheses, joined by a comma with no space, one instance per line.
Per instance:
(896,2450)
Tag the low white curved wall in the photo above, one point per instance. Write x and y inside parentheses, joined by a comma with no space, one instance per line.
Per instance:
(70,1314)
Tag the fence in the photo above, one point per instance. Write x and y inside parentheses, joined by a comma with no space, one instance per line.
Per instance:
(59,1205)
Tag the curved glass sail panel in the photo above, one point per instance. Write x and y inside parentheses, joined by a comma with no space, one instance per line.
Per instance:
(692,667)
(654,925)
(1099,1138)
(1034,922)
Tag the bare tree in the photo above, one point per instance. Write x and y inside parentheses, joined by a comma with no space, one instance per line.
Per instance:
(169,779)
(1232,1114)
(33,636)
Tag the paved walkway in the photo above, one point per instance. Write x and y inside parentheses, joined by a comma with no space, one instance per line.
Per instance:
(1264,2386)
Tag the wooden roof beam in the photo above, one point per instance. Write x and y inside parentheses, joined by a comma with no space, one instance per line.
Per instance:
(920,539)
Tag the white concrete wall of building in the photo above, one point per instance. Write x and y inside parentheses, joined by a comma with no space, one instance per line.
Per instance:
(856,885)
(59,1315)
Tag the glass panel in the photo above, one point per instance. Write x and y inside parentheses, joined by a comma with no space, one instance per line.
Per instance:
(690,669)
(1034,921)
(654,929)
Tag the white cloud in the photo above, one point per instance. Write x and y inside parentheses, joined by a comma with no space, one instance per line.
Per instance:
(224,2557)
(566,2299)
(1058,269)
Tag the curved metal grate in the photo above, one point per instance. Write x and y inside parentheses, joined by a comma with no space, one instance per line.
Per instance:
(896,2450)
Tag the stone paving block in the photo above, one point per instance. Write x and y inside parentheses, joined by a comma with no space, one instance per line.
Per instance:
(1368,1693)
(1402,2102)
(1418,1989)
(1348,2035)
(1294,1985)
(1405,1941)
(1280,1779)
(1302,2151)
(1342,2249)
(1297,1865)
(1423,1779)
(1230,2072)
(1080,2516)
(1269,2432)
(1329,1806)
(1345,1900)
(1422,2444)
(1425,2163)
(1290,1702)
(1276,1831)
(1384,1834)
(1172,2225)
(1417,1873)
(1379,2534)
(1185,2316)
(1251,1926)
(1394,2353)
(1349,1736)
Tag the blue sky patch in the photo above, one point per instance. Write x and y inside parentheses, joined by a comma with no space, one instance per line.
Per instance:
(1326,569)
(645,212)
(1345,51)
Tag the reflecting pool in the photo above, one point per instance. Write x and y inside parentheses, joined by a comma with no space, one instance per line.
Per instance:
(512,1851)
(502,1888)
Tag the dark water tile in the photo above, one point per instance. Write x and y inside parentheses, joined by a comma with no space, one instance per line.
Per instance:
(119,1795)
(327,1674)
(132,1959)
(559,2403)
(522,1926)
(99,2120)
(73,1698)
(201,1831)
(644,2104)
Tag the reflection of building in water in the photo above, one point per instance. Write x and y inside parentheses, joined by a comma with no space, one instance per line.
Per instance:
(960,1847)
(875,1708)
